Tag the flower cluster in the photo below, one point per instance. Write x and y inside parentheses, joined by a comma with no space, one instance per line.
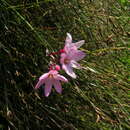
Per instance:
(69,57)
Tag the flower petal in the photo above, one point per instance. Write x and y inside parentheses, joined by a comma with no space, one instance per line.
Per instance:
(44,76)
(68,39)
(78,55)
(63,56)
(79,44)
(57,86)
(75,65)
(62,78)
(53,72)
(68,69)
(69,48)
(40,82)
(48,86)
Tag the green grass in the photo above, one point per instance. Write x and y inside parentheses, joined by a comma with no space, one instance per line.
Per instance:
(98,98)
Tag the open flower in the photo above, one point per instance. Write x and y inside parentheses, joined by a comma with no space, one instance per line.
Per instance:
(69,61)
(52,78)
(70,45)
(71,55)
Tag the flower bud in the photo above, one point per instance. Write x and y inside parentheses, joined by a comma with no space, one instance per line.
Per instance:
(57,67)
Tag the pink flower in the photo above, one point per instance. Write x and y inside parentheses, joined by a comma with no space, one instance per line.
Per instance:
(69,61)
(52,78)
(71,55)
(69,45)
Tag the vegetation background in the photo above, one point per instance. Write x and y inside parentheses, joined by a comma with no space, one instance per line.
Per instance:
(99,99)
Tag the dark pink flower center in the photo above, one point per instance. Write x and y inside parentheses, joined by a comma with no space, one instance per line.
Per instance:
(66,61)
(50,76)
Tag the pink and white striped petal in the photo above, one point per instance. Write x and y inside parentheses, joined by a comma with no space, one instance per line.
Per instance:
(40,82)
(48,87)
(62,78)
(78,55)
(68,39)
(79,44)
(75,65)
(44,76)
(57,86)
(69,70)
